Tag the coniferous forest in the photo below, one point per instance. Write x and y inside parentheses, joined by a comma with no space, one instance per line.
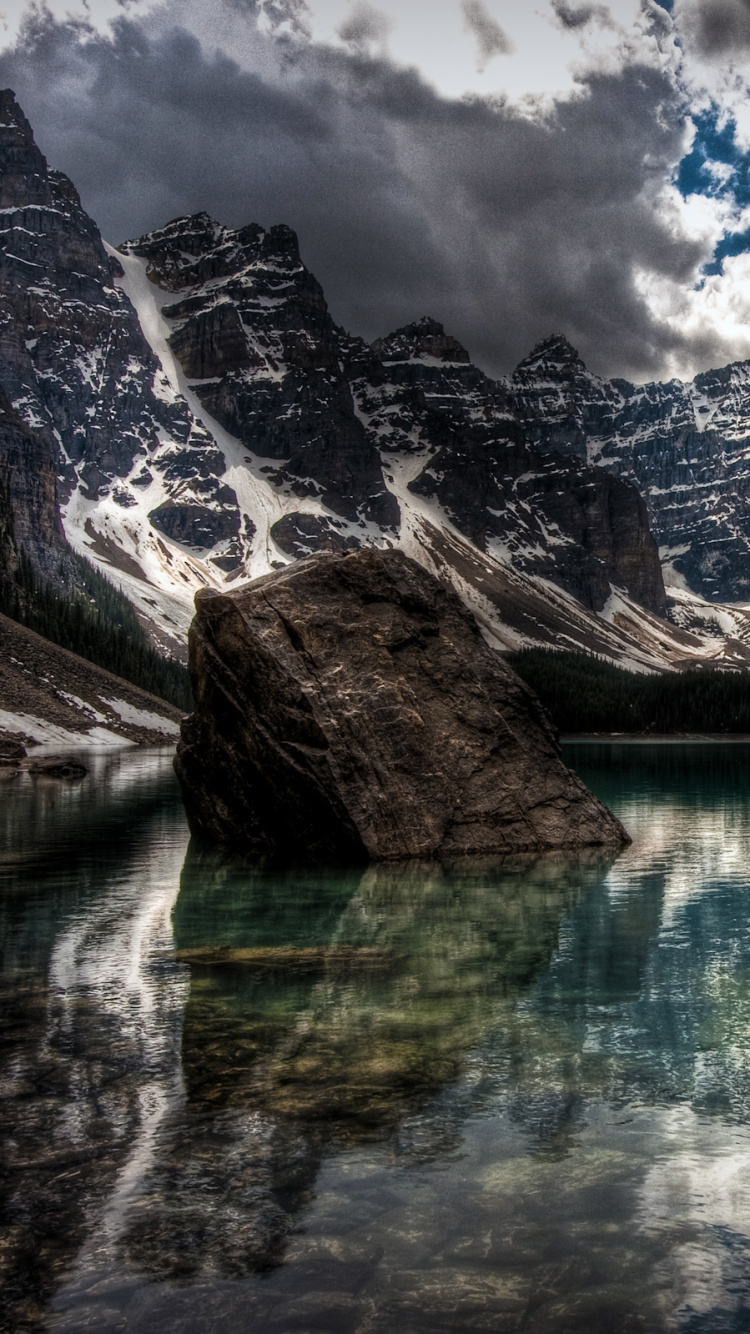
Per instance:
(586,694)
(94,620)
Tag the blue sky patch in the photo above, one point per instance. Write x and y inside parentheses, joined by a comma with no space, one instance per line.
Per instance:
(666,4)
(715,143)
(734,243)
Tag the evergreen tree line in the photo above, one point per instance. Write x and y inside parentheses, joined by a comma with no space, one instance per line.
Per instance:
(94,620)
(582,693)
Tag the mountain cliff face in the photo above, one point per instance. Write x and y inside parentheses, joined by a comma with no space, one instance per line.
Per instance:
(209,422)
(549,514)
(253,336)
(322,422)
(28,476)
(685,446)
(77,370)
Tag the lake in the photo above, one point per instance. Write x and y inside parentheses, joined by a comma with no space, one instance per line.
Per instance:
(490,1096)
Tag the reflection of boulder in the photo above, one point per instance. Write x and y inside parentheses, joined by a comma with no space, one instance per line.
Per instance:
(348,707)
(284,1066)
(357,1042)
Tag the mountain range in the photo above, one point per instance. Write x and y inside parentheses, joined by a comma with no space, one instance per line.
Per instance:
(183,412)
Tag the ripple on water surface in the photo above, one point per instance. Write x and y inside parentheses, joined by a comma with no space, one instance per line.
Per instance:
(488,1096)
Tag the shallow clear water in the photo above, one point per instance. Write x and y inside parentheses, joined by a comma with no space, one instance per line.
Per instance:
(495,1096)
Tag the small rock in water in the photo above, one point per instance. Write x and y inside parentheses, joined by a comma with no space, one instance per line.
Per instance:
(315,959)
(58,766)
(11,751)
(347,707)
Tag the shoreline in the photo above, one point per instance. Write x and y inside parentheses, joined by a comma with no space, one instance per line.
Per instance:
(637,738)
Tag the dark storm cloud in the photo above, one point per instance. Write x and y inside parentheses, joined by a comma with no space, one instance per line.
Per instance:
(364,27)
(577,16)
(282,16)
(717,27)
(406,203)
(491,39)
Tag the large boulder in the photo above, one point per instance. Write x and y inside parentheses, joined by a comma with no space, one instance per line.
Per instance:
(347,707)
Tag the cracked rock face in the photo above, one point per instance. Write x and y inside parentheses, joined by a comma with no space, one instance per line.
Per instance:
(28,474)
(554,517)
(348,708)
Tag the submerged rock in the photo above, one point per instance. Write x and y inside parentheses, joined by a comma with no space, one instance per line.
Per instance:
(58,766)
(347,707)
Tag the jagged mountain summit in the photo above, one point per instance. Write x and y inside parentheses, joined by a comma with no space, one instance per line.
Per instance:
(208,422)
(252,340)
(255,341)
(686,447)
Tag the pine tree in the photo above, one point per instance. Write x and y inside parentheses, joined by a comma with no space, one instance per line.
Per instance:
(584,693)
(94,620)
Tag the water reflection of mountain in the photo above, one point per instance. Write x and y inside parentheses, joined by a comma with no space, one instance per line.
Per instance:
(88,874)
(60,841)
(286,1063)
(474,1095)
(673,1022)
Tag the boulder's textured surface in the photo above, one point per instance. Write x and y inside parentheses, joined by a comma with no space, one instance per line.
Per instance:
(347,707)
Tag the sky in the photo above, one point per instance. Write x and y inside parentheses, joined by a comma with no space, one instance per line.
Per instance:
(513,168)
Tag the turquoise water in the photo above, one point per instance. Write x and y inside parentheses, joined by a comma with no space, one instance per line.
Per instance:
(486,1097)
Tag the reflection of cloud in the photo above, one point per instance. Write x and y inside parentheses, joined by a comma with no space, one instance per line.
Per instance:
(702,1178)
(110,953)
(107,1038)
(696,851)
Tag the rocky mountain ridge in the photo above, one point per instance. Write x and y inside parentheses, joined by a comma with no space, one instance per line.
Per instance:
(211,422)
(77,372)
(686,446)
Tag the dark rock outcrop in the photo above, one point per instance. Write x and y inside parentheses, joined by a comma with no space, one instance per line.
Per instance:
(550,515)
(29,510)
(303,534)
(348,708)
(57,766)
